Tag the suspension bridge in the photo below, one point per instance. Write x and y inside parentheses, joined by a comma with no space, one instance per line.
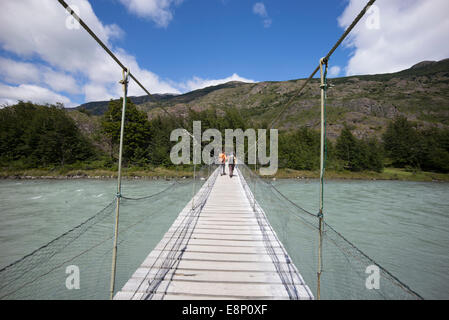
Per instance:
(221,245)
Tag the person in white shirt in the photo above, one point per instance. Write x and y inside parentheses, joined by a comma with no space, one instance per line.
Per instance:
(231,162)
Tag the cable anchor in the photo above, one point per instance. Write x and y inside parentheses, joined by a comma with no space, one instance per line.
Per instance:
(125,79)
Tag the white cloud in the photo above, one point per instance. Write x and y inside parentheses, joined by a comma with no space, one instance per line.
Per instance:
(159,11)
(334,71)
(199,83)
(260,10)
(396,34)
(17,72)
(66,53)
(267,23)
(26,92)
(60,81)
(97,92)
(52,61)
(148,79)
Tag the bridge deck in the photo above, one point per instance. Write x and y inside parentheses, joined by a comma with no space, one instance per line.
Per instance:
(221,250)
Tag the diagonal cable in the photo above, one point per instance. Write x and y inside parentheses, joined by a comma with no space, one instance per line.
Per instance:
(111,54)
(326,58)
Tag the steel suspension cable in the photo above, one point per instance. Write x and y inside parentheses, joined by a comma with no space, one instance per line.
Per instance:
(326,58)
(110,53)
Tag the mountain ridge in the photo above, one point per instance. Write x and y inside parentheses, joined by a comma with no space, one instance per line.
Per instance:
(365,102)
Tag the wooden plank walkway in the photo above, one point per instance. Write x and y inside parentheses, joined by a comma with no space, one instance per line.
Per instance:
(223,249)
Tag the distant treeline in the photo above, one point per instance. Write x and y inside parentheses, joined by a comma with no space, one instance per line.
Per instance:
(34,136)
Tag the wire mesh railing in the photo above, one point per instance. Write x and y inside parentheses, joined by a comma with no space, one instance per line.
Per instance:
(44,273)
(346,270)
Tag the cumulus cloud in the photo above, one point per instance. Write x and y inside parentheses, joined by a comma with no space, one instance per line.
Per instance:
(54,62)
(159,11)
(260,10)
(18,72)
(97,92)
(65,52)
(26,92)
(396,34)
(60,81)
(334,71)
(199,83)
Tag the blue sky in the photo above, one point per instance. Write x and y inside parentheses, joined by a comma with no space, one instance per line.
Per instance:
(175,46)
(215,38)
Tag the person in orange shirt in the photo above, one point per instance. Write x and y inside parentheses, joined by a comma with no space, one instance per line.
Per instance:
(222,157)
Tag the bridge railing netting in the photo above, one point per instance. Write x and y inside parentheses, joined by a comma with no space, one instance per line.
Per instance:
(49,271)
(344,266)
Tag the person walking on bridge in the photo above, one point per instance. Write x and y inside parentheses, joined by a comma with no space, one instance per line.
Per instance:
(231,162)
(222,158)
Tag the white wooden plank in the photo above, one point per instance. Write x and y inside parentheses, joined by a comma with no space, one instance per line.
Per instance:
(224,253)
(217,276)
(241,290)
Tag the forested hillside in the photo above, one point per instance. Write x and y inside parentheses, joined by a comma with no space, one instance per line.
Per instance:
(367,103)
(37,136)
(396,120)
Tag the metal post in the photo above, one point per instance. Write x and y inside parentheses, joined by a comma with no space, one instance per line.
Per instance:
(194,173)
(320,214)
(255,172)
(194,165)
(193,186)
(124,82)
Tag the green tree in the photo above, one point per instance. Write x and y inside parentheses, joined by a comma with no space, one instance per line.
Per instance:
(300,149)
(433,152)
(38,135)
(402,143)
(349,150)
(358,155)
(137,131)
(374,155)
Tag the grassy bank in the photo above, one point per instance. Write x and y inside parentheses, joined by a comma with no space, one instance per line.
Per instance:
(168,173)
(387,174)
(160,173)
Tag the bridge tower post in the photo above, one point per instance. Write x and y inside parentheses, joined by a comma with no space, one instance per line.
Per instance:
(323,86)
(124,83)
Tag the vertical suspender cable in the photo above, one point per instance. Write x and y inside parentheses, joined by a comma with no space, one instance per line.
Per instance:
(329,54)
(194,169)
(124,82)
(323,86)
(255,171)
(193,184)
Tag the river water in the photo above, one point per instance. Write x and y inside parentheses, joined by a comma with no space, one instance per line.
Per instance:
(404,226)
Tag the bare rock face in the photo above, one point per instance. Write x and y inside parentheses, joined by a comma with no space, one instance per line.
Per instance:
(372,107)
(423,64)
(367,102)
